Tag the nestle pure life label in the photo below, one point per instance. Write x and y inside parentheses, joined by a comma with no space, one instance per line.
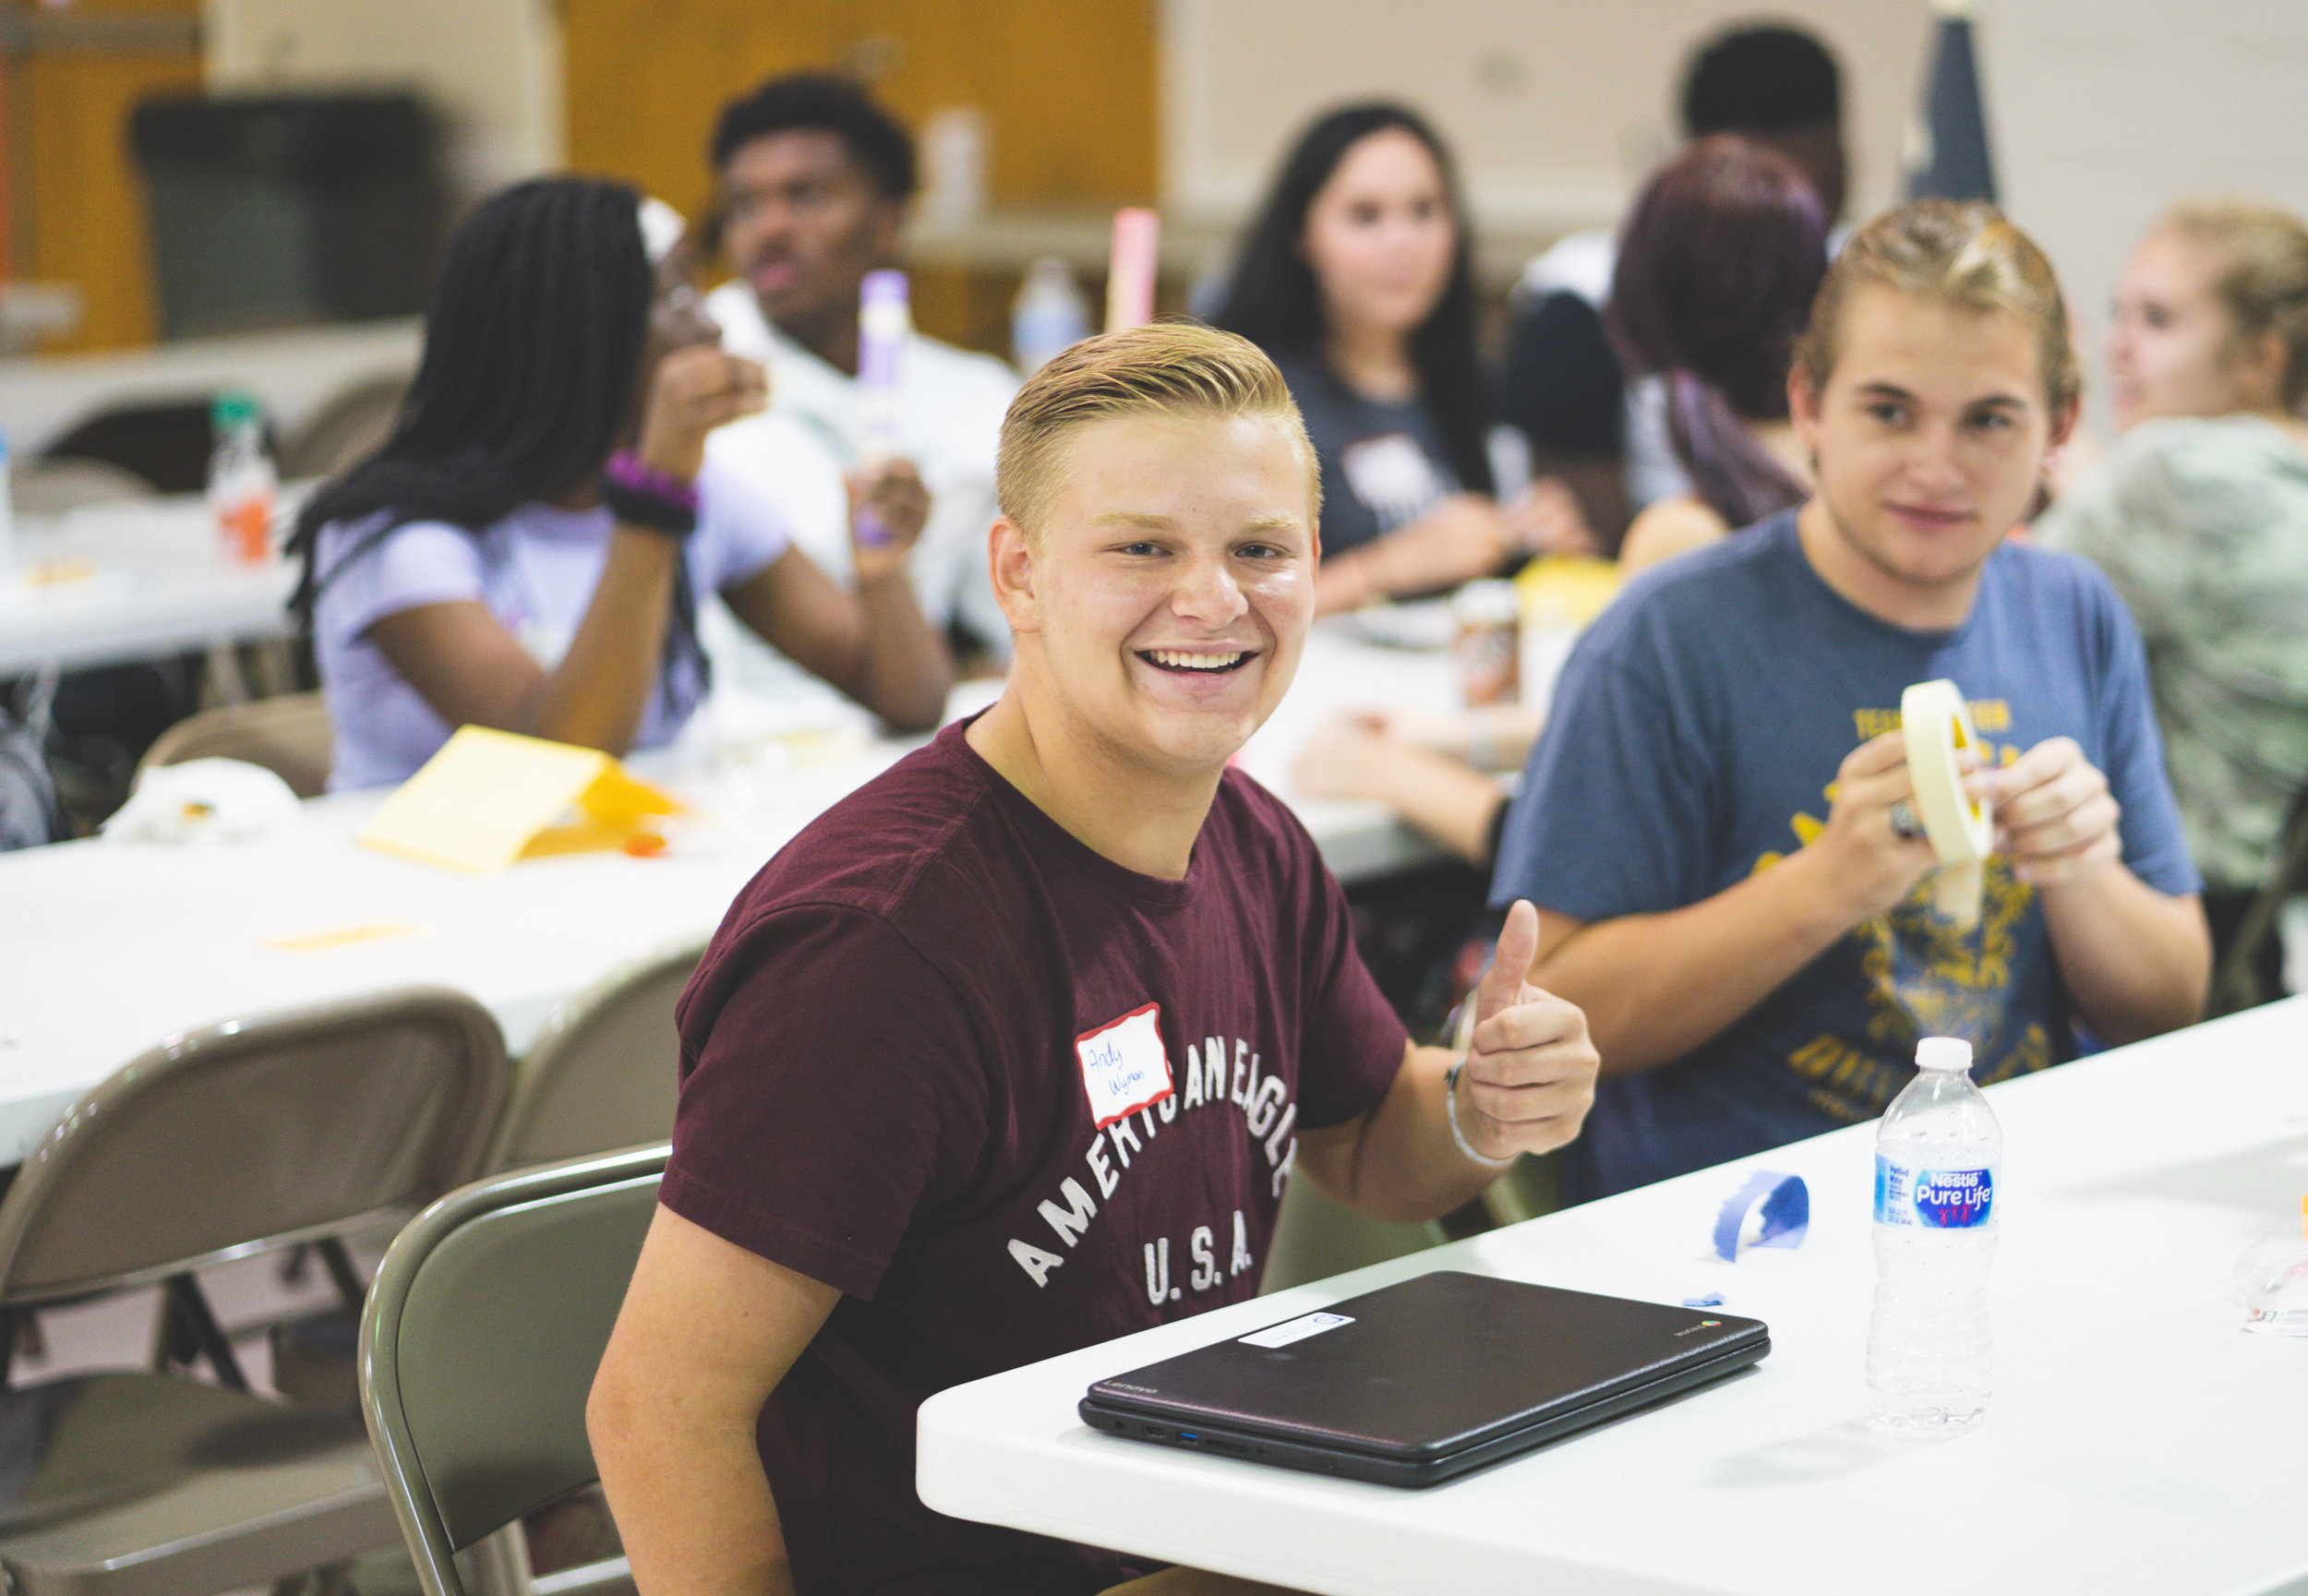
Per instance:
(1932,1199)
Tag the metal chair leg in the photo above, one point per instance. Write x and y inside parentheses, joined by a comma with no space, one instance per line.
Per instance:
(499,1565)
(347,1279)
(191,1311)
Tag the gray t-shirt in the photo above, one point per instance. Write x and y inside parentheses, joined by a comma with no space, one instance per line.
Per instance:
(1383,463)
(2202,526)
(1694,737)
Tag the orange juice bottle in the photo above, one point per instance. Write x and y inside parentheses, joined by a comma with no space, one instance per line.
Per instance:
(240,478)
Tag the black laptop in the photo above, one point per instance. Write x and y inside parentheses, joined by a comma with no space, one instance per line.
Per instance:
(1425,1380)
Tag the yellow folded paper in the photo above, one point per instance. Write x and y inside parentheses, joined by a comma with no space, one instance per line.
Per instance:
(489,798)
(1560,591)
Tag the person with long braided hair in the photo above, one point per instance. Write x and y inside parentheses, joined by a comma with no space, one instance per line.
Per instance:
(527,550)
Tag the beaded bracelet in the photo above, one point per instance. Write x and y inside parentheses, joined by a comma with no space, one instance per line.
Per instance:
(1451,1112)
(639,494)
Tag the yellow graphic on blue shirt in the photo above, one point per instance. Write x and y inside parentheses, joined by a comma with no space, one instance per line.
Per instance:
(1921,975)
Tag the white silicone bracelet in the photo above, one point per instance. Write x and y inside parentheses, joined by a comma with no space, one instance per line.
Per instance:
(1451,1112)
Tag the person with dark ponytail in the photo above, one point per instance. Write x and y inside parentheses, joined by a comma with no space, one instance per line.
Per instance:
(1717,268)
(1355,279)
(528,549)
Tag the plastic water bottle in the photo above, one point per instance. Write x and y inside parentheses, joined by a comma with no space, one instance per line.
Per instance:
(240,478)
(1049,315)
(1936,1158)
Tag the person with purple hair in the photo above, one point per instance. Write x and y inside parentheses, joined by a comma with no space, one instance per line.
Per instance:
(1717,268)
(1586,421)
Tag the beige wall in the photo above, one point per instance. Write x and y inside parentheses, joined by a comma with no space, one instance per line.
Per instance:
(491,68)
(2100,112)
(1557,107)
(2104,113)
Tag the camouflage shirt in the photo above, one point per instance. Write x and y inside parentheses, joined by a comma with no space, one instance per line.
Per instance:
(2202,526)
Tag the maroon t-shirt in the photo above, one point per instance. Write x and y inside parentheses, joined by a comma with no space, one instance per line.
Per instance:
(1010,1098)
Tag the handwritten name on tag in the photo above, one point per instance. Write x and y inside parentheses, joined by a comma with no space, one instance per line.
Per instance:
(1124,1065)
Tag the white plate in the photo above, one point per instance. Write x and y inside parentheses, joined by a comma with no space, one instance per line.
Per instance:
(1424,623)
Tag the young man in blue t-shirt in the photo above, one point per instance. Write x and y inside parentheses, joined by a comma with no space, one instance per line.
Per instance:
(1716,825)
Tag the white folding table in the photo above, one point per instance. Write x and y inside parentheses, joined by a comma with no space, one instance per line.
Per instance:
(293,372)
(2140,1441)
(135,580)
(107,947)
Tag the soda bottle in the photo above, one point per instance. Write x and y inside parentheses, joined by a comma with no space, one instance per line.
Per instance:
(1488,644)
(1936,1158)
(240,478)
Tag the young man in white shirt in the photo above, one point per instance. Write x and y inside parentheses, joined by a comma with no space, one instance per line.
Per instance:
(813,184)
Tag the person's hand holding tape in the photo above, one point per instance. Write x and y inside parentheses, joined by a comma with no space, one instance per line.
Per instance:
(2054,814)
(1873,844)
(1957,813)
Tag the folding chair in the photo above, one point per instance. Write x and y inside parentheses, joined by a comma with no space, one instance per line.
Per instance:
(601,1074)
(599,1077)
(290,736)
(485,1327)
(351,426)
(216,1145)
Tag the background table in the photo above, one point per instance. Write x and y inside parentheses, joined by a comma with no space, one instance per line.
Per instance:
(158,582)
(107,947)
(293,373)
(2139,1441)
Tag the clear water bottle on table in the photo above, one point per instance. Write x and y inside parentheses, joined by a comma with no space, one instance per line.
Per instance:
(1937,1158)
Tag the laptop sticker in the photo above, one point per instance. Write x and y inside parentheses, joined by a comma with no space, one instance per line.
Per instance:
(1297,1329)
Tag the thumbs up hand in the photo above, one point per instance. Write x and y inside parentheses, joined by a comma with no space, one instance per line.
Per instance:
(1529,1071)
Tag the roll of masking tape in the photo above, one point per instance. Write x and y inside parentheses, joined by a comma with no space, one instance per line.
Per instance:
(1962,830)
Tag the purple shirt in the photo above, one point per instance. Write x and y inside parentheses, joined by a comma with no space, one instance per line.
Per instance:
(1011,1098)
(534,571)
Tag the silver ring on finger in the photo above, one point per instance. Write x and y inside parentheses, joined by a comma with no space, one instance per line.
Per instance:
(1903,821)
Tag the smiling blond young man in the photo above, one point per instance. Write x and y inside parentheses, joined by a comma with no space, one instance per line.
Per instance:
(1013,1050)
(1712,825)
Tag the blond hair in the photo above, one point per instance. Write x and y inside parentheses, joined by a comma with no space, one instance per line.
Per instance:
(1964,255)
(1171,369)
(2263,277)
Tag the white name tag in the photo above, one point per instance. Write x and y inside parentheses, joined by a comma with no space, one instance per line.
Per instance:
(1124,1065)
(1391,474)
(1297,1329)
